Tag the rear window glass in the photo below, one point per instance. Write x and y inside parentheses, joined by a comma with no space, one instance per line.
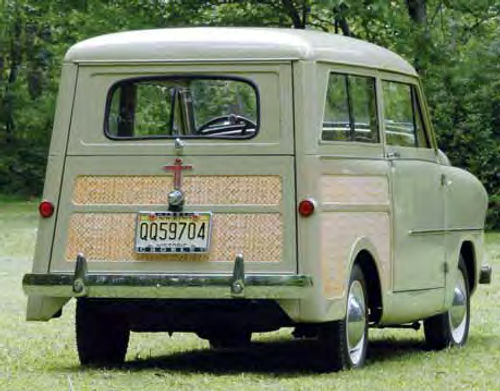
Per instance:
(198,107)
(350,109)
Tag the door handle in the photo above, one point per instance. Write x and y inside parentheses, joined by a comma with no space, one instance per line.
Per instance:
(445,181)
(393,155)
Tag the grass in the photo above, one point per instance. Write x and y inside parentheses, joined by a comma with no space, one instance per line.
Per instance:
(42,356)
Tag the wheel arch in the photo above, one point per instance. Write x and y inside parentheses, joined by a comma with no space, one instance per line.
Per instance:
(365,255)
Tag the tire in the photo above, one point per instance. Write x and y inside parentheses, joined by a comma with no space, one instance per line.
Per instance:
(344,343)
(452,327)
(231,340)
(101,336)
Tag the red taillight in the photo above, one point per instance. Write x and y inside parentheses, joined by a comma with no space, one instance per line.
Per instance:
(306,208)
(46,208)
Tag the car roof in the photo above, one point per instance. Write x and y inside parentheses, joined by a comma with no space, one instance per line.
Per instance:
(201,44)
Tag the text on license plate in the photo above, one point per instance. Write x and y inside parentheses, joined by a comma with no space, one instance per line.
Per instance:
(173,232)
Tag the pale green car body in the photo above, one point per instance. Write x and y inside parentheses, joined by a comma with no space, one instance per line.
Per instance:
(406,209)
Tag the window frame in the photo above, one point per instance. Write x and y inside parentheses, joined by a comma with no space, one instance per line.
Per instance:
(417,104)
(346,82)
(111,90)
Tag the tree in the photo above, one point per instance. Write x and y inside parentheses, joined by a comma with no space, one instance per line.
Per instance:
(453,44)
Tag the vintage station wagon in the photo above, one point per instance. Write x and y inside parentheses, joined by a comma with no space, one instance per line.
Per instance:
(225,181)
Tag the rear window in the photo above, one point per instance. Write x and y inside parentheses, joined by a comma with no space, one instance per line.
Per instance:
(190,107)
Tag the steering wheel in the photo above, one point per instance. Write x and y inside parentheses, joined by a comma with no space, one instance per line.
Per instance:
(219,124)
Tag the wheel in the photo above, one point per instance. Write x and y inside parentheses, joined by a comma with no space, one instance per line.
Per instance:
(231,340)
(344,342)
(101,337)
(452,327)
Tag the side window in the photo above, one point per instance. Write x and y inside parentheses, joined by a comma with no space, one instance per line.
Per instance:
(350,109)
(403,117)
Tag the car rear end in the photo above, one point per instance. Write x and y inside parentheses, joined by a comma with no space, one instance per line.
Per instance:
(173,187)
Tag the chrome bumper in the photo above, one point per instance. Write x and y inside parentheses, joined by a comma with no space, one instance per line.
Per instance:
(157,286)
(167,286)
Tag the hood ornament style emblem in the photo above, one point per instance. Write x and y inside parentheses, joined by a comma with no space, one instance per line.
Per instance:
(176,196)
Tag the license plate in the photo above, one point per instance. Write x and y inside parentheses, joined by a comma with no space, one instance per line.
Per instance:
(173,232)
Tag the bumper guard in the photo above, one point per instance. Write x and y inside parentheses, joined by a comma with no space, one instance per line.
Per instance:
(485,275)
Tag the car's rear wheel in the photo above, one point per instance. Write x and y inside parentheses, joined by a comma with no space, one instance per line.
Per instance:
(344,343)
(101,335)
(452,327)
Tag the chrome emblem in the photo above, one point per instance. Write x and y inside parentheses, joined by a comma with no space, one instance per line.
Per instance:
(176,196)
(179,146)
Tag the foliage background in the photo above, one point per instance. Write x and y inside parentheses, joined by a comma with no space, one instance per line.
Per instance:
(454,44)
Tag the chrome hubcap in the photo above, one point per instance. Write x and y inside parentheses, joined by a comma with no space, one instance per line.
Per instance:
(356,322)
(458,311)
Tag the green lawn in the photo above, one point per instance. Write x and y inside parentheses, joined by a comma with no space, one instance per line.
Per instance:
(42,356)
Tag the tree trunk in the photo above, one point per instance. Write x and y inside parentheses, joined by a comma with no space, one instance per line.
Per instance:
(417,10)
(15,54)
(294,13)
(340,20)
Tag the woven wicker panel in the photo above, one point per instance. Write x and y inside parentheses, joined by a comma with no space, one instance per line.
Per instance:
(354,189)
(110,237)
(339,232)
(199,190)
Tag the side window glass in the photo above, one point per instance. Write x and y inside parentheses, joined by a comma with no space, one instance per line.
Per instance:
(364,108)
(336,125)
(403,118)
(350,109)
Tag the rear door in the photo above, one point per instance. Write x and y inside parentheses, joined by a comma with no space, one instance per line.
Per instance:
(113,172)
